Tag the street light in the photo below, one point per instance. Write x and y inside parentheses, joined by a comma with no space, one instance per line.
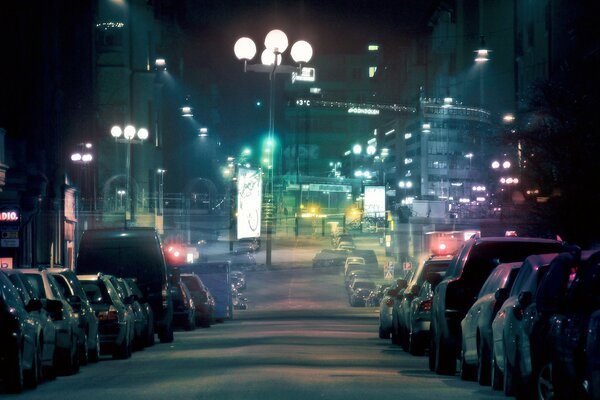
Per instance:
(276,43)
(83,157)
(129,136)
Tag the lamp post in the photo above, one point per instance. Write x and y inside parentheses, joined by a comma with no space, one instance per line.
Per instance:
(129,136)
(83,157)
(276,43)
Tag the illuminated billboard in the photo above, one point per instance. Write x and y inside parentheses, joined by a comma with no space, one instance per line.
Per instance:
(374,205)
(249,189)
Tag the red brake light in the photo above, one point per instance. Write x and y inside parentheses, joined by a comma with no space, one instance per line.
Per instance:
(425,306)
(110,315)
(164,295)
(389,302)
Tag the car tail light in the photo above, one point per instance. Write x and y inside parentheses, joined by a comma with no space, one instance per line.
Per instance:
(389,302)
(164,292)
(425,306)
(110,315)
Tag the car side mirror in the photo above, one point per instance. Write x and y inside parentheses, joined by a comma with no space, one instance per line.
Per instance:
(402,283)
(75,302)
(414,290)
(34,305)
(525,299)
(434,278)
(501,295)
(55,309)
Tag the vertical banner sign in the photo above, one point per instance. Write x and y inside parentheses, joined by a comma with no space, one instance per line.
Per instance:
(374,205)
(249,203)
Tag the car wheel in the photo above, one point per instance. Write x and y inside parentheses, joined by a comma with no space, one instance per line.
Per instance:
(467,372)
(83,352)
(150,336)
(31,377)
(415,345)
(383,334)
(404,339)
(497,376)
(483,367)
(432,351)
(509,377)
(15,381)
(94,354)
(544,383)
(445,361)
(166,333)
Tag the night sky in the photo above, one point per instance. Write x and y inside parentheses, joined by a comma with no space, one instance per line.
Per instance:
(330,26)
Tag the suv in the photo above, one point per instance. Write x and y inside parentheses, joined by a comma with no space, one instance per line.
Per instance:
(457,292)
(132,253)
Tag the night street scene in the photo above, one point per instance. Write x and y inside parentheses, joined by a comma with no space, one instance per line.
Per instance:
(311,199)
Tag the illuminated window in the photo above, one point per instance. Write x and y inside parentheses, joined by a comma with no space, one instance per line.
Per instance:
(408,161)
(407,135)
(373,47)
(372,71)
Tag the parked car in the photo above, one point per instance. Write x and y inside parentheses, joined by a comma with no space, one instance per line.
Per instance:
(353,261)
(458,291)
(44,317)
(385,308)
(360,274)
(476,327)
(420,317)
(203,300)
(88,323)
(20,335)
(146,309)
(132,253)
(238,300)
(360,283)
(376,295)
(184,312)
(531,273)
(115,319)
(339,237)
(330,260)
(358,298)
(69,336)
(346,245)
(238,278)
(402,308)
(242,259)
(249,244)
(140,321)
(574,338)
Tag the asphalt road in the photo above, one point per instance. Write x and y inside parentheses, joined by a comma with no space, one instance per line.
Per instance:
(299,339)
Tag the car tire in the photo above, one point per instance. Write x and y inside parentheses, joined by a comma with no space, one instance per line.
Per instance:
(383,334)
(509,384)
(415,345)
(15,380)
(166,334)
(404,339)
(122,352)
(83,352)
(31,377)
(483,366)
(467,372)
(445,361)
(94,353)
(544,384)
(432,351)
(150,335)
(497,378)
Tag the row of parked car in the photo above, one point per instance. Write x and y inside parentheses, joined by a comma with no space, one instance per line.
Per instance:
(54,321)
(519,314)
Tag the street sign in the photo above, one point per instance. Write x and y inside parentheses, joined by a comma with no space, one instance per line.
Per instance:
(389,271)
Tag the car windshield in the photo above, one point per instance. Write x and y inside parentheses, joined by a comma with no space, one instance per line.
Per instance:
(141,138)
